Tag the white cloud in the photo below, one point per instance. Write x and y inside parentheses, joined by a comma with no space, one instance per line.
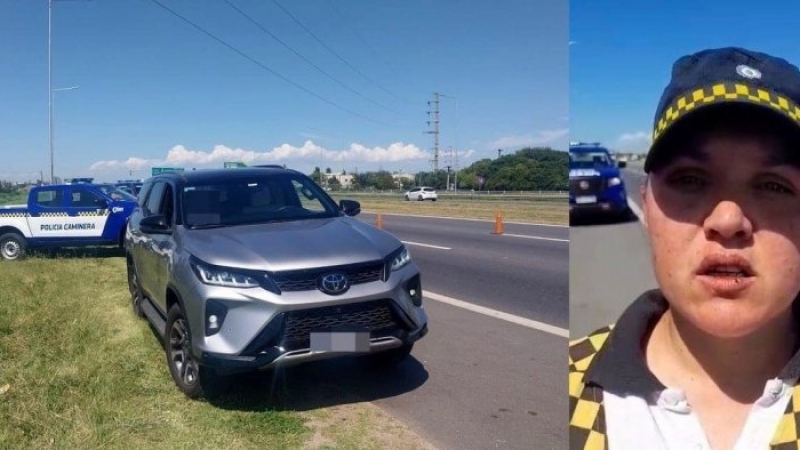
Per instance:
(181,156)
(638,141)
(571,43)
(539,138)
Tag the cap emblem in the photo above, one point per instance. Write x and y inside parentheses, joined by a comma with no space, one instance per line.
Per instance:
(748,72)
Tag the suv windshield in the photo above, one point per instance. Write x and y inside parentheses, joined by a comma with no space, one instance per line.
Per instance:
(588,159)
(255,200)
(116,193)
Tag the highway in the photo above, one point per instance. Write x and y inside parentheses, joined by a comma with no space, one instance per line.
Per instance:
(610,265)
(491,373)
(491,383)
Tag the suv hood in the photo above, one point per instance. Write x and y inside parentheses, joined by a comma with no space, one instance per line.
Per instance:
(302,244)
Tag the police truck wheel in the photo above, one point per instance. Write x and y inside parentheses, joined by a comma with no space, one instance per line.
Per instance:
(12,246)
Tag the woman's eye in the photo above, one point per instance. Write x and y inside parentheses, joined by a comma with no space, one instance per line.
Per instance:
(779,188)
(687,181)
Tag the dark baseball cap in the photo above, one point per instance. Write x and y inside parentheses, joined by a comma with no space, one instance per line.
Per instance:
(711,79)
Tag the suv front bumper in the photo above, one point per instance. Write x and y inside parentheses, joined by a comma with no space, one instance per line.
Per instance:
(262,330)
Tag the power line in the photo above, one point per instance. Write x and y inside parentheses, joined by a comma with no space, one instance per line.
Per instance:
(262,28)
(363,41)
(332,51)
(263,66)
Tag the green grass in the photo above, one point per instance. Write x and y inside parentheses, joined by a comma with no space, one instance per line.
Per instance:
(531,208)
(13,198)
(84,372)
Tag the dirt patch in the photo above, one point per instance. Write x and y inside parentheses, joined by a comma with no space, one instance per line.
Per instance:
(362,426)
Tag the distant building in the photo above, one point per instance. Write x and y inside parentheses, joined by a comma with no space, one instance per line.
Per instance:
(345,181)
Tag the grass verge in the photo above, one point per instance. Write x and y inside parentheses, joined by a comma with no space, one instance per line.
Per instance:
(83,372)
(551,210)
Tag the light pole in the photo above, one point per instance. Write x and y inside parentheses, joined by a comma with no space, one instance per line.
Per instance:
(52,106)
(50,80)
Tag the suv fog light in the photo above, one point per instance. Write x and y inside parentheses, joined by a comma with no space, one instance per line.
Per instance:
(215,315)
(414,290)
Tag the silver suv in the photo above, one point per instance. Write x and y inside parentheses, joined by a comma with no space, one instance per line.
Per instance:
(249,269)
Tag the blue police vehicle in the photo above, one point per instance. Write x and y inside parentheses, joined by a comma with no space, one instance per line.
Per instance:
(66,215)
(595,184)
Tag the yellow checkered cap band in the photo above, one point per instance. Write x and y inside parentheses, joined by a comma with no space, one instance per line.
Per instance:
(724,92)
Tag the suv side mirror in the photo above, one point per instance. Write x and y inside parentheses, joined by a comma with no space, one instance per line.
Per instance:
(156,224)
(350,207)
(622,164)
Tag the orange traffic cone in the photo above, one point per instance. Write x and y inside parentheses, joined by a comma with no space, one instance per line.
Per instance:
(379,221)
(498,223)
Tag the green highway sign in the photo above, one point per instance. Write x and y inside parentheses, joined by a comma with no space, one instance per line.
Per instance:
(158,170)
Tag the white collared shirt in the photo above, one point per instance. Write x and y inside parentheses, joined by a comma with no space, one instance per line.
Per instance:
(668,422)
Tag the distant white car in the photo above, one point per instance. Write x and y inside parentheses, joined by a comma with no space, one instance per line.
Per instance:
(421,193)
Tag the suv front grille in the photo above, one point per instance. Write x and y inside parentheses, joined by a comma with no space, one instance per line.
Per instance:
(306,280)
(375,317)
(595,185)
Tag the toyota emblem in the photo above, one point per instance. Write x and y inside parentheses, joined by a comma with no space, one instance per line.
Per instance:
(584,184)
(334,283)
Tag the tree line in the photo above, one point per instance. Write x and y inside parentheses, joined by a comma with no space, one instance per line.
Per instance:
(528,169)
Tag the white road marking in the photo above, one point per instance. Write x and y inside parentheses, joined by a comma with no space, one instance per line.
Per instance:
(426,245)
(535,237)
(541,326)
(636,210)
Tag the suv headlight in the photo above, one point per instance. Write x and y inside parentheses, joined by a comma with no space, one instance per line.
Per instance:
(614,181)
(222,276)
(401,260)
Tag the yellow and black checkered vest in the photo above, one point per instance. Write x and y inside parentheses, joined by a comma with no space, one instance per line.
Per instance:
(587,424)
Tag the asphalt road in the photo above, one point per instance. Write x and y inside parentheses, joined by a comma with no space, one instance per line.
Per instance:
(523,271)
(488,383)
(609,265)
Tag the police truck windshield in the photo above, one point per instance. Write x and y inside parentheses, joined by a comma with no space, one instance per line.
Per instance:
(588,160)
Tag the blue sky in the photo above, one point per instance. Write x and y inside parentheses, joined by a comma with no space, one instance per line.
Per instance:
(621,55)
(154,91)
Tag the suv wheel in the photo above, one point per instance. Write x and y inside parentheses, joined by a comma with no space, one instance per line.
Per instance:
(133,288)
(392,357)
(420,198)
(188,375)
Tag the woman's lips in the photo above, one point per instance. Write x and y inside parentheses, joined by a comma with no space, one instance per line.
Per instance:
(725,275)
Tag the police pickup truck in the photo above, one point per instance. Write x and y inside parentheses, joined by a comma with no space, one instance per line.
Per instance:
(595,184)
(68,215)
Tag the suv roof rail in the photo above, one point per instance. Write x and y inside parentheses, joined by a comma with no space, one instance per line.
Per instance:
(271,166)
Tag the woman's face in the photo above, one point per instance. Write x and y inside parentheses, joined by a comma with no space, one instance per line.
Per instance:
(724,224)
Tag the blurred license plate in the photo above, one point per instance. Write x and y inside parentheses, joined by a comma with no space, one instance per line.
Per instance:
(586,199)
(340,341)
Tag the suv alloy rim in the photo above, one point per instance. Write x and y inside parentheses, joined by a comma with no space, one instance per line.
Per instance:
(180,357)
